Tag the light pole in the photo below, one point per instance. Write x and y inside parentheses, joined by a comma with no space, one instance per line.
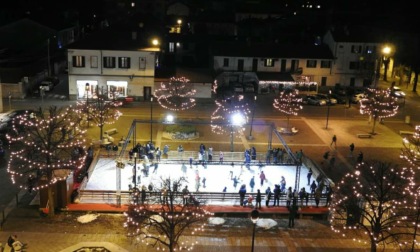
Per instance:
(254,218)
(252,118)
(151,118)
(87,87)
(328,107)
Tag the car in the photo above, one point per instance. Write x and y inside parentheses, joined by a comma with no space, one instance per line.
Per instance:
(330,100)
(397,92)
(341,99)
(46,85)
(357,97)
(314,100)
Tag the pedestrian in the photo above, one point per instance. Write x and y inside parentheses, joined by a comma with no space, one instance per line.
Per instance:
(166,150)
(329,194)
(210,154)
(360,157)
(268,156)
(204,182)
(180,151)
(253,153)
(282,184)
(276,192)
(258,200)
(267,196)
(302,194)
(317,197)
(334,141)
(143,194)
(292,214)
(185,195)
(235,182)
(351,149)
(289,196)
(252,184)
(262,178)
(158,154)
(299,155)
(309,176)
(242,192)
(313,187)
(221,157)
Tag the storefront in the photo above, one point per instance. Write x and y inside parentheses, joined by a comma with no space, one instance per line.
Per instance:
(88,89)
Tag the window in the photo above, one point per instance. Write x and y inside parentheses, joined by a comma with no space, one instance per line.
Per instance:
(354,65)
(142,63)
(225,62)
(124,62)
(93,61)
(171,47)
(109,62)
(269,62)
(78,61)
(370,49)
(311,63)
(325,64)
(356,49)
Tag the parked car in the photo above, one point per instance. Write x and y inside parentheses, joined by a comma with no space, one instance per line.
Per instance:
(397,92)
(341,99)
(314,100)
(46,85)
(330,100)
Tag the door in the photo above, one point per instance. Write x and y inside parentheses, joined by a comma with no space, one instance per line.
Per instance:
(283,66)
(254,65)
(147,93)
(240,65)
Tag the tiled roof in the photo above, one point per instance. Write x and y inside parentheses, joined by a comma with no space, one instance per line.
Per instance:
(272,50)
(357,34)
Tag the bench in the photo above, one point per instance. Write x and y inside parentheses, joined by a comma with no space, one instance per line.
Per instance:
(111,131)
(405,132)
(364,135)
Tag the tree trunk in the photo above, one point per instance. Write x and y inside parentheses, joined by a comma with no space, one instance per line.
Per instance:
(374,124)
(372,246)
(51,203)
(101,132)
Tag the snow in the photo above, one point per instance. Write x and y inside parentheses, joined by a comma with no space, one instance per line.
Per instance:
(216,221)
(87,218)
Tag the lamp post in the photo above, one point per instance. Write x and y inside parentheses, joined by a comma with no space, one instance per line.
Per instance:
(151,118)
(328,107)
(254,218)
(87,87)
(252,118)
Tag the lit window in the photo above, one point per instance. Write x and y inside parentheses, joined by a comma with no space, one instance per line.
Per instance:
(269,62)
(171,47)
(78,61)
(123,62)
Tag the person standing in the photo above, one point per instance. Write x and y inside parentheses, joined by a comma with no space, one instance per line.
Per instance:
(210,154)
(242,192)
(252,184)
(267,196)
(289,196)
(351,149)
(158,154)
(180,151)
(166,150)
(143,194)
(292,214)
(262,178)
(258,200)
(253,153)
(221,157)
(313,187)
(360,157)
(334,141)
(276,195)
(309,176)
(185,195)
(317,197)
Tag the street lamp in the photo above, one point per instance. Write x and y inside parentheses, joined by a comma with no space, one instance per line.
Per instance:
(252,118)
(151,118)
(385,58)
(237,119)
(254,218)
(179,22)
(87,87)
(328,107)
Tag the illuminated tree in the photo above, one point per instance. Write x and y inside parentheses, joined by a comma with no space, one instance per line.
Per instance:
(379,104)
(102,111)
(288,103)
(375,203)
(411,148)
(48,146)
(163,219)
(176,94)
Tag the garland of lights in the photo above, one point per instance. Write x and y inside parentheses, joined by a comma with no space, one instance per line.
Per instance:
(380,194)
(223,119)
(161,224)
(101,111)
(288,103)
(411,148)
(49,146)
(176,95)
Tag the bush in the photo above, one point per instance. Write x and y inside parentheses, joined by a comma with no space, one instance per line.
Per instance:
(187,129)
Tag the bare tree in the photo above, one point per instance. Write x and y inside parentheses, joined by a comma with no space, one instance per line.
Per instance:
(379,105)
(375,203)
(47,147)
(288,103)
(411,148)
(176,95)
(163,218)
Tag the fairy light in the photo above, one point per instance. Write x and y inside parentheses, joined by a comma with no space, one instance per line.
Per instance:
(49,147)
(379,105)
(176,95)
(381,194)
(288,103)
(411,149)
(102,111)
(223,118)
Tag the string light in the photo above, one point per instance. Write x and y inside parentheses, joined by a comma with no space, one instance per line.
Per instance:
(380,104)
(289,103)
(176,95)
(49,147)
(411,149)
(101,111)
(222,119)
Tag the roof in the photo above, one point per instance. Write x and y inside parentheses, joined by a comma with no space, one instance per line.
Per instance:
(357,34)
(264,50)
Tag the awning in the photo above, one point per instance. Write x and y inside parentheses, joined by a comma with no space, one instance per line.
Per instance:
(275,78)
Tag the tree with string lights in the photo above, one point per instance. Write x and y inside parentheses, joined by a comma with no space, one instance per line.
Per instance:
(47,147)
(411,148)
(163,218)
(379,105)
(375,204)
(102,111)
(176,95)
(288,103)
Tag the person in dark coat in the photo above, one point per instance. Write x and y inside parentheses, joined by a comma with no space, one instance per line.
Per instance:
(276,195)
(252,183)
(242,192)
(293,209)
(258,200)
(309,176)
(268,194)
